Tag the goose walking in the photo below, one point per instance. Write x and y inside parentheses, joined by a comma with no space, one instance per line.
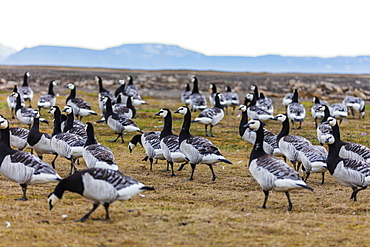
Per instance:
(231,99)
(198,101)
(12,101)
(24,114)
(296,111)
(262,101)
(128,109)
(355,104)
(80,106)
(254,111)
(48,100)
(22,167)
(339,111)
(25,90)
(313,159)
(270,172)
(100,186)
(198,150)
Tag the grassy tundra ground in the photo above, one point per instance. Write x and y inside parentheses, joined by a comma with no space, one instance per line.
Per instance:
(189,213)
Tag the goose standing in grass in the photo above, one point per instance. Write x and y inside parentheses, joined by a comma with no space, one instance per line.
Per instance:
(133,91)
(296,111)
(198,101)
(103,92)
(25,90)
(151,143)
(118,122)
(231,99)
(185,96)
(128,109)
(198,150)
(100,186)
(269,139)
(12,101)
(255,112)
(262,101)
(290,145)
(70,126)
(317,114)
(95,154)
(40,141)
(287,99)
(211,116)
(339,111)
(67,145)
(120,89)
(355,104)
(348,172)
(313,159)
(348,150)
(80,106)
(323,127)
(24,114)
(22,167)
(48,100)
(270,172)
(169,142)
(213,88)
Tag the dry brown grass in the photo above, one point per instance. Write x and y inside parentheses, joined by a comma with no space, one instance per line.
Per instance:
(190,213)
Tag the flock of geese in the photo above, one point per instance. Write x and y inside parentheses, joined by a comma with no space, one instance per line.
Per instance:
(103,183)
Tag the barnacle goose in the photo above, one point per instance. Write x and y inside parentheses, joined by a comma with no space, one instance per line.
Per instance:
(120,89)
(18,137)
(118,122)
(25,90)
(316,114)
(212,96)
(24,114)
(296,111)
(211,116)
(22,167)
(67,145)
(40,141)
(313,159)
(262,101)
(348,149)
(70,126)
(95,154)
(352,173)
(185,96)
(103,92)
(290,145)
(150,142)
(133,91)
(198,101)
(48,100)
(269,139)
(169,142)
(287,99)
(12,101)
(271,172)
(198,150)
(323,127)
(128,109)
(80,106)
(355,104)
(231,99)
(100,186)
(254,111)
(339,111)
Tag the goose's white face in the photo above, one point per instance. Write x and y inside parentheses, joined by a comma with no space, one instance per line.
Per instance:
(254,124)
(67,109)
(182,110)
(321,108)
(28,74)
(249,96)
(104,99)
(96,78)
(253,87)
(71,86)
(52,110)
(163,113)
(242,108)
(121,82)
(329,139)
(52,200)
(193,79)
(36,113)
(3,123)
(15,94)
(281,117)
(55,83)
(332,121)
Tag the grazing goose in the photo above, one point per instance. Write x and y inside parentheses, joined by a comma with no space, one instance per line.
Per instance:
(25,90)
(348,150)
(213,88)
(12,101)
(40,141)
(104,92)
(99,185)
(48,100)
(262,101)
(255,112)
(185,96)
(198,150)
(296,111)
(95,154)
(128,109)
(269,139)
(151,143)
(348,172)
(70,126)
(339,111)
(133,91)
(316,114)
(323,127)
(290,145)
(211,116)
(355,104)
(118,122)
(313,159)
(231,99)
(197,100)
(287,99)
(169,142)
(67,145)
(24,114)
(80,106)
(18,137)
(22,167)
(271,172)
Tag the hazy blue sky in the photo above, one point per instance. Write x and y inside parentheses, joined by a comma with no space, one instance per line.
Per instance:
(243,28)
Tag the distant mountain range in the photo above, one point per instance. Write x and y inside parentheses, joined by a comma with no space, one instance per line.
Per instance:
(172,57)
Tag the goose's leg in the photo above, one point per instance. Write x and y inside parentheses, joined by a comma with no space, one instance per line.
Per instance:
(266,192)
(118,136)
(290,205)
(213,172)
(86,216)
(24,190)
